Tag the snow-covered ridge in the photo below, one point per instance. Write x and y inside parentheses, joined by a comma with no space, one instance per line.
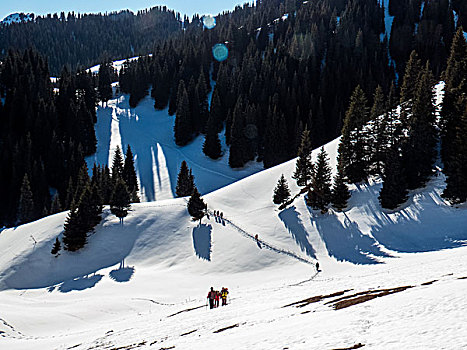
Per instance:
(18,18)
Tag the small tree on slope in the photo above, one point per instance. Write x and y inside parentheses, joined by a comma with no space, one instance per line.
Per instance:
(56,248)
(196,206)
(304,167)
(26,204)
(185,181)
(129,175)
(120,202)
(394,190)
(319,195)
(340,191)
(281,192)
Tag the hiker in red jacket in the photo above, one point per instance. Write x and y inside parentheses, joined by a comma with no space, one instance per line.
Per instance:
(211,297)
(218,295)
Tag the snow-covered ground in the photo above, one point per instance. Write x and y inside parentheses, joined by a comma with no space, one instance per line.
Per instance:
(157,157)
(143,285)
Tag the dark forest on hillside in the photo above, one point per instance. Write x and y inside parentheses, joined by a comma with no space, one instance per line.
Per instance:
(283,75)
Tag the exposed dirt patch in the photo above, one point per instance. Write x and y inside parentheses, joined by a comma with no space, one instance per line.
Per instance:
(194,330)
(462,278)
(225,328)
(172,347)
(129,347)
(316,299)
(186,310)
(356,346)
(429,283)
(305,312)
(362,297)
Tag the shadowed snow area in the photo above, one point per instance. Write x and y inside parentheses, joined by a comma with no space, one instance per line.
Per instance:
(157,158)
(121,288)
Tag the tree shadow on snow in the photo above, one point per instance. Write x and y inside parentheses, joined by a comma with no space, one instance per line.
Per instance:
(202,241)
(80,283)
(425,227)
(122,274)
(346,242)
(292,222)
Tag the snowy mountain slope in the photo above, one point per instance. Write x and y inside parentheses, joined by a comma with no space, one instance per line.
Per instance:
(143,285)
(157,157)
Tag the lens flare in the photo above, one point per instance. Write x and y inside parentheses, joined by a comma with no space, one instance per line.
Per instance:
(220,52)
(209,22)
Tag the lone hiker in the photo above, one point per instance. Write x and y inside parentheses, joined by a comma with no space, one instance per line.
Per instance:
(211,297)
(317,266)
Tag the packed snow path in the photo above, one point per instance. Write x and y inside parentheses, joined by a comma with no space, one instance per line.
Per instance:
(261,243)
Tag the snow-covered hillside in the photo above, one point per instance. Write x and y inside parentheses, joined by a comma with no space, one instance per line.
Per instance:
(17,18)
(157,157)
(389,280)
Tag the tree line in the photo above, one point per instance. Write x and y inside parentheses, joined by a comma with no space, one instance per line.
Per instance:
(397,143)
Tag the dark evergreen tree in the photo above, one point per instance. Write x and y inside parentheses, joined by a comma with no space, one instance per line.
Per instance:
(129,176)
(185,181)
(74,233)
(340,191)
(420,149)
(212,144)
(216,112)
(183,128)
(105,80)
(281,192)
(455,78)
(117,164)
(56,205)
(26,203)
(377,135)
(319,194)
(394,191)
(304,167)
(456,183)
(120,202)
(237,137)
(352,146)
(56,247)
(196,206)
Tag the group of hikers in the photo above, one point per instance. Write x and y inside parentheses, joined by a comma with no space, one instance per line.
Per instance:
(218,214)
(214,297)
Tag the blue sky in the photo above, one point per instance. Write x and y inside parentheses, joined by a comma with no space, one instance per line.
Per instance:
(51,6)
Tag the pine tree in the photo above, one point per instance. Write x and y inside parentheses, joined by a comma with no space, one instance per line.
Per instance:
(394,191)
(129,176)
(237,136)
(82,182)
(120,202)
(377,136)
(105,80)
(26,203)
(183,128)
(340,191)
(420,150)
(56,248)
(216,112)
(456,85)
(319,194)
(212,144)
(304,166)
(456,182)
(117,164)
(409,86)
(185,181)
(196,206)
(281,192)
(352,145)
(56,206)
(74,233)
